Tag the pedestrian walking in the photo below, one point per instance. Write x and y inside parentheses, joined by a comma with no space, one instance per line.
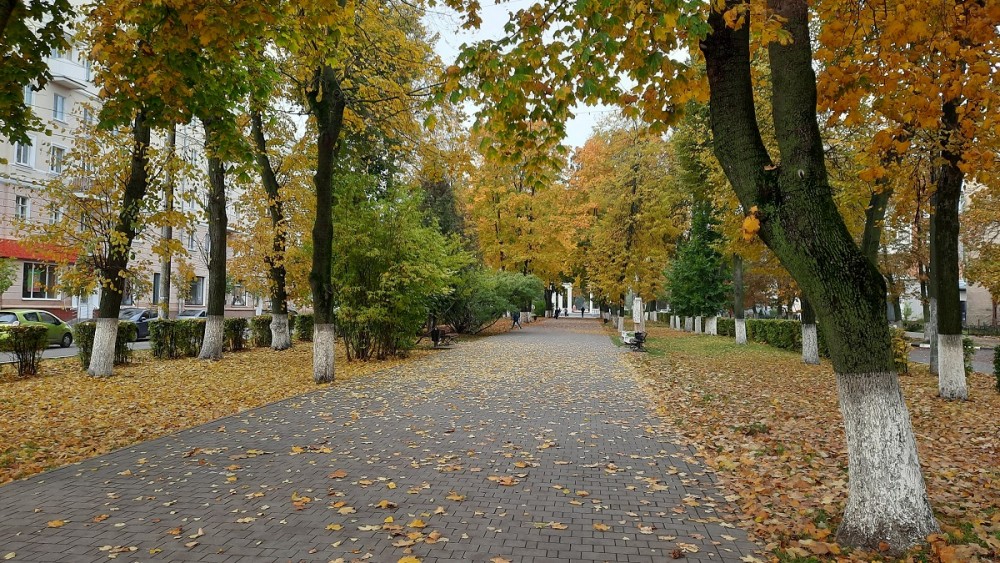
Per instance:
(516,319)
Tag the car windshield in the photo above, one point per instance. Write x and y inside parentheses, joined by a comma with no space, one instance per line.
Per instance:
(189,313)
(8,318)
(128,314)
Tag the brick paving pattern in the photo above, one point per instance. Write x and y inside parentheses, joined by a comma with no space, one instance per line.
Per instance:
(519,447)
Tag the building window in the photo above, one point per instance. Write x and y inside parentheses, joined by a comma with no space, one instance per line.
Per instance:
(128,298)
(191,242)
(56,157)
(58,107)
(55,215)
(29,95)
(23,154)
(239,296)
(197,291)
(88,116)
(39,281)
(156,289)
(22,208)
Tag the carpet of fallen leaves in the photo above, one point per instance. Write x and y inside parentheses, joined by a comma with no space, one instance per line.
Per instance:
(771,428)
(64,415)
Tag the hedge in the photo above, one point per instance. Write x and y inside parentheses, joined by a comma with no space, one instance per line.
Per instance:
(171,338)
(234,334)
(968,352)
(83,335)
(27,344)
(996,365)
(260,331)
(304,327)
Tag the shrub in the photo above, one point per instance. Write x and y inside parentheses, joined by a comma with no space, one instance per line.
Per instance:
(260,330)
(900,350)
(127,334)
(234,334)
(304,327)
(27,344)
(163,339)
(83,335)
(913,326)
(726,327)
(780,333)
(190,335)
(968,352)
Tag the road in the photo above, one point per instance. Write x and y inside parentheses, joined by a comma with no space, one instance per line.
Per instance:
(982,362)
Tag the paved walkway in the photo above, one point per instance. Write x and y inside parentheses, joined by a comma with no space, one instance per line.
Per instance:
(528,447)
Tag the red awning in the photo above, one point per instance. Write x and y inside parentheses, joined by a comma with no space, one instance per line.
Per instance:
(10,248)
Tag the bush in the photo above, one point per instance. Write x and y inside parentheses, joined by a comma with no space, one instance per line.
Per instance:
(304,327)
(260,330)
(83,335)
(234,332)
(968,352)
(780,333)
(27,344)
(726,327)
(170,339)
(913,326)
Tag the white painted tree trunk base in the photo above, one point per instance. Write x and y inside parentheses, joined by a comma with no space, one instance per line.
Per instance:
(688,324)
(951,367)
(211,345)
(930,330)
(652,316)
(698,325)
(741,331)
(102,356)
(620,324)
(887,499)
(712,326)
(526,316)
(324,343)
(810,344)
(281,337)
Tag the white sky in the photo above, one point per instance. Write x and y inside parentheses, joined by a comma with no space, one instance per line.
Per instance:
(448,25)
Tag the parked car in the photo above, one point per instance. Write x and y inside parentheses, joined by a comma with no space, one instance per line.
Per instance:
(141,318)
(192,314)
(59,332)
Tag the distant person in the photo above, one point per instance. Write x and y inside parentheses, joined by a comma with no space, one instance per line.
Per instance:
(516,320)
(564,312)
(557,313)
(583,310)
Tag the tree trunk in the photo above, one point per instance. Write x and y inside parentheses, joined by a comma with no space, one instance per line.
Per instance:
(327,103)
(213,342)
(800,222)
(167,230)
(931,326)
(951,366)
(810,340)
(280,337)
(102,358)
(738,305)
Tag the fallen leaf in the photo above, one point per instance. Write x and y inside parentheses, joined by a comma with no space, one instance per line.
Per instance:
(417,523)
(601,527)
(455,496)
(56,523)
(338,474)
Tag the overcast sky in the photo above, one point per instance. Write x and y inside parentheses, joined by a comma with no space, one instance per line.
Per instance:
(448,25)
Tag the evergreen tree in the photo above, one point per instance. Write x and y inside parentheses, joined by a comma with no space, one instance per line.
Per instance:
(697,282)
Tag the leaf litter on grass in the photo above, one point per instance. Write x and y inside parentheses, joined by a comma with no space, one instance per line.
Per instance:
(771,428)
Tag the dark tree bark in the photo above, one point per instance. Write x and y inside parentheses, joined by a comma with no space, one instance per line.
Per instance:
(871,238)
(800,222)
(211,346)
(944,249)
(167,230)
(280,338)
(327,103)
(102,357)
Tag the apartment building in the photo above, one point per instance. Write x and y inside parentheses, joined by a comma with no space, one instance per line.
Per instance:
(64,105)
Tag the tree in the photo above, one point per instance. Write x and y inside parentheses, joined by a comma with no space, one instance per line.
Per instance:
(30,31)
(796,215)
(697,280)
(931,69)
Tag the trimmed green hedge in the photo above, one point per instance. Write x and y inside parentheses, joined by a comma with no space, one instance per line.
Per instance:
(304,327)
(171,338)
(27,344)
(234,334)
(260,331)
(83,335)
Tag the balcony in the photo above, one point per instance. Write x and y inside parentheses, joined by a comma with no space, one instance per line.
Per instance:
(69,74)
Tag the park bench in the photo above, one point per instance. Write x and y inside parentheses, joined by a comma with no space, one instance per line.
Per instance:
(443,336)
(634,340)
